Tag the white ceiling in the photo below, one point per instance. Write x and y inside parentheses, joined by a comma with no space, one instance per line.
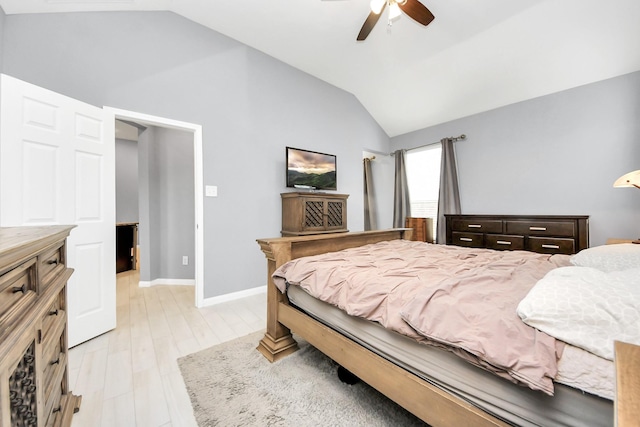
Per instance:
(475,56)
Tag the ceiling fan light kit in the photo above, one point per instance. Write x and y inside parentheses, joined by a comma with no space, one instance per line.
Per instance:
(377,5)
(394,12)
(416,11)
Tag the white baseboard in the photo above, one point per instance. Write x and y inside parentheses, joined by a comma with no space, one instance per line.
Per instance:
(207,302)
(156,282)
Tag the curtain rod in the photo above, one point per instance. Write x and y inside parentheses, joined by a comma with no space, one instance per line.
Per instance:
(450,138)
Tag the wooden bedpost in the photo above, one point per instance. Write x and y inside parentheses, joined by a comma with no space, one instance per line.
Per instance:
(277,341)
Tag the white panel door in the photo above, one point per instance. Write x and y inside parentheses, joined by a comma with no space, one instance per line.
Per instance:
(57,166)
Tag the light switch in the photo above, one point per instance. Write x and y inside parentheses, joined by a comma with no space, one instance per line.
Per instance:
(211,190)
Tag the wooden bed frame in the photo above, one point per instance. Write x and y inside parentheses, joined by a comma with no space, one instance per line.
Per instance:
(429,403)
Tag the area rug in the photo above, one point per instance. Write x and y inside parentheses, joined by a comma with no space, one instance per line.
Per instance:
(232,384)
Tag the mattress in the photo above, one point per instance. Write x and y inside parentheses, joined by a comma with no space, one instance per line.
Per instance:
(516,405)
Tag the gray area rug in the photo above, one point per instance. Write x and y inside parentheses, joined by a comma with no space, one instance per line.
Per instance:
(232,384)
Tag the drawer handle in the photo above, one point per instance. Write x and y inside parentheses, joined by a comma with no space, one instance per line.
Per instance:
(22,289)
(54,312)
(474,226)
(551,246)
(503,242)
(55,362)
(466,239)
(58,409)
(53,261)
(538,228)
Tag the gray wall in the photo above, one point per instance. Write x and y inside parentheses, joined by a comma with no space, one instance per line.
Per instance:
(148,204)
(250,106)
(557,154)
(167,220)
(175,232)
(126,181)
(2,25)
(2,19)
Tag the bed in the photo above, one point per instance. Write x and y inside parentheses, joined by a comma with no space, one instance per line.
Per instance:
(369,351)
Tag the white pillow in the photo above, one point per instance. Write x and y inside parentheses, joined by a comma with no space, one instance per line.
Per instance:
(622,256)
(586,307)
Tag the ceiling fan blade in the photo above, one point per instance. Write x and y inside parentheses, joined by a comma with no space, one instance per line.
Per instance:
(417,11)
(369,23)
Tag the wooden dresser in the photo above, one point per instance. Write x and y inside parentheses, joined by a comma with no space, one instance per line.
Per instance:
(313,213)
(558,234)
(34,386)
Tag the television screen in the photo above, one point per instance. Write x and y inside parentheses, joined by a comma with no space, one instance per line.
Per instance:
(306,169)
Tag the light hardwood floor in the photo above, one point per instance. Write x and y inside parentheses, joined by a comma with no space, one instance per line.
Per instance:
(130,376)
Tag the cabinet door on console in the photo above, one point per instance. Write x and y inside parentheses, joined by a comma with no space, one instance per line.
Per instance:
(314,215)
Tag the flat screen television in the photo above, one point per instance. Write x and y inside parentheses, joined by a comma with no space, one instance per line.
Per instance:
(311,170)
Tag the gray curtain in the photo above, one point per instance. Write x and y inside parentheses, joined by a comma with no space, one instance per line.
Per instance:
(369,197)
(401,203)
(449,196)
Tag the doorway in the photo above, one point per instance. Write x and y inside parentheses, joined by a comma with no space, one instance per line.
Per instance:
(196,131)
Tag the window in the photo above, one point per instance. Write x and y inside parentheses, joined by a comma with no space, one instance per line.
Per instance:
(423,179)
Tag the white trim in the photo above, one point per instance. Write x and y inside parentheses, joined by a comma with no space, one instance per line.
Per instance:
(198,183)
(157,282)
(234,296)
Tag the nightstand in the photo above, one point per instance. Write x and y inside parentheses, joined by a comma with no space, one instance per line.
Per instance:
(616,241)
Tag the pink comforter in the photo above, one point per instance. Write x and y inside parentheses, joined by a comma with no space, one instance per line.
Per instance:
(458,298)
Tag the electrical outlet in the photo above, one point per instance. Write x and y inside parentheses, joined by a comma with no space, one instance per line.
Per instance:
(185,260)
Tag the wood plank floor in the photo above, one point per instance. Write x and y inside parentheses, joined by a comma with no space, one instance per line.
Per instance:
(130,376)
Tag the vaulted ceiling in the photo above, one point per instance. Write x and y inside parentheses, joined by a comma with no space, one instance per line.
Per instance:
(475,55)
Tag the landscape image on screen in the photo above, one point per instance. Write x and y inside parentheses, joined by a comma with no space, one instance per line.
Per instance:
(310,168)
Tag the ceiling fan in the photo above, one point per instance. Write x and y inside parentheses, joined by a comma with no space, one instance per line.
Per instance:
(416,10)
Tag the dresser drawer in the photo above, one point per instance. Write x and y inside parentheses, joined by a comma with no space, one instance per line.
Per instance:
(550,245)
(15,285)
(53,319)
(50,264)
(54,406)
(477,226)
(54,360)
(541,228)
(504,242)
(471,240)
